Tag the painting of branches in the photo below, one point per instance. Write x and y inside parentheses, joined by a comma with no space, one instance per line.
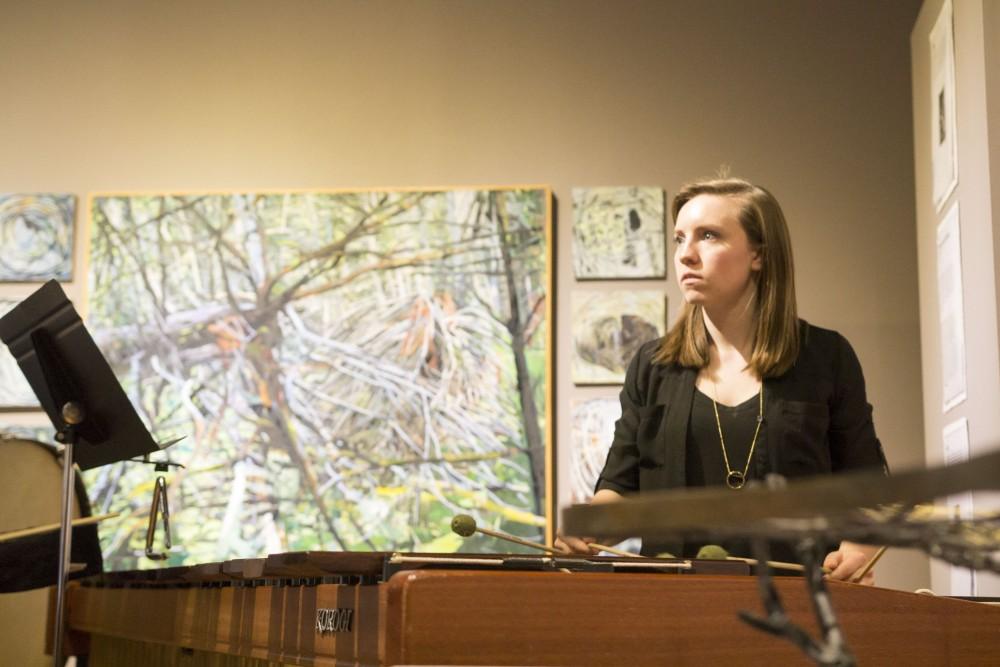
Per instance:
(349,369)
(36,237)
(618,232)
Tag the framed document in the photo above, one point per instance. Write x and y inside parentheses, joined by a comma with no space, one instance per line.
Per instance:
(944,144)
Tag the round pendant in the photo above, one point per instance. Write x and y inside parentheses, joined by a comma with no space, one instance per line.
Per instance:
(735,479)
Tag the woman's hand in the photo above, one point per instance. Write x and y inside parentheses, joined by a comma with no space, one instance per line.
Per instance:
(579,545)
(848,560)
(574,545)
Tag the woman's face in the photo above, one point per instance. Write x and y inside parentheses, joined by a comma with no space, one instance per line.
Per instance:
(713,258)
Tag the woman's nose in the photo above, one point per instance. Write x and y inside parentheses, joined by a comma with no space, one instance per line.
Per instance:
(686,253)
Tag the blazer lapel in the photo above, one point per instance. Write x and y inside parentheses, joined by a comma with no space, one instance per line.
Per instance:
(677,394)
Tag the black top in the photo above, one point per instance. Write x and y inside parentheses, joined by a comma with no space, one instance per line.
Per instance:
(707,467)
(705,463)
(817,420)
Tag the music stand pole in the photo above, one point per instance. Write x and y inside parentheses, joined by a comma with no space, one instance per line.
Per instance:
(73,415)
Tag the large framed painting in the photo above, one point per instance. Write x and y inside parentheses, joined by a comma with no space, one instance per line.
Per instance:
(619,232)
(36,237)
(350,369)
(609,326)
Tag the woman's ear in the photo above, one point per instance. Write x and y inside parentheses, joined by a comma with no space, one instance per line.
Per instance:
(758,260)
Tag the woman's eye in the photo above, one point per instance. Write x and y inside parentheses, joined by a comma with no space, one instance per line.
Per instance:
(710,235)
(678,239)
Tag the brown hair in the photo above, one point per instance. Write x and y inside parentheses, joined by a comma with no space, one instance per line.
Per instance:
(775,343)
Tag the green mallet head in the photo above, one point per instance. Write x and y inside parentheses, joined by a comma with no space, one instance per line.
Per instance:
(463,524)
(712,552)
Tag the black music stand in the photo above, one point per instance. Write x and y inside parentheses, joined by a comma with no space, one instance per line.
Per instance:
(93,417)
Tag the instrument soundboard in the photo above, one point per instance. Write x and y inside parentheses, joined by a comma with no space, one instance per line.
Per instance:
(374,609)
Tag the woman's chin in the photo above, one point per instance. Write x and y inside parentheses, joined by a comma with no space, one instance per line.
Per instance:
(693,298)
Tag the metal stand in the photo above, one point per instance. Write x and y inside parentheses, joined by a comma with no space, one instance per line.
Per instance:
(830,650)
(73,415)
(72,381)
(157,509)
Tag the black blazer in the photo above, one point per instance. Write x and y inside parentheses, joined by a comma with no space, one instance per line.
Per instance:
(817,418)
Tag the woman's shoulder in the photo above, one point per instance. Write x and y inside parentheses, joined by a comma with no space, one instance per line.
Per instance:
(650,381)
(648,350)
(646,361)
(645,366)
(824,351)
(819,339)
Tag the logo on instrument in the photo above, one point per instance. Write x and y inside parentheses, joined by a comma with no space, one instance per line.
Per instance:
(334,620)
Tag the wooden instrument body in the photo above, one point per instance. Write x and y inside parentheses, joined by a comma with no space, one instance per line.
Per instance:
(488,617)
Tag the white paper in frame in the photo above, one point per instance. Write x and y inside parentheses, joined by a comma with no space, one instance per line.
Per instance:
(951,313)
(944,127)
(955,448)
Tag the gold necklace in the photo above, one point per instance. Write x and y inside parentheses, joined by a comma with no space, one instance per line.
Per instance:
(734,478)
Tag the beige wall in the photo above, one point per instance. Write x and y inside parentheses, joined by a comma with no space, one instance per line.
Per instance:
(977,73)
(809,98)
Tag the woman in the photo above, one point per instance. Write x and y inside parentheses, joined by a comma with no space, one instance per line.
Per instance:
(739,387)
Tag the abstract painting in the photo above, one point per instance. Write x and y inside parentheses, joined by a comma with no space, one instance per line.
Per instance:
(618,232)
(593,429)
(15,392)
(36,237)
(608,328)
(350,369)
